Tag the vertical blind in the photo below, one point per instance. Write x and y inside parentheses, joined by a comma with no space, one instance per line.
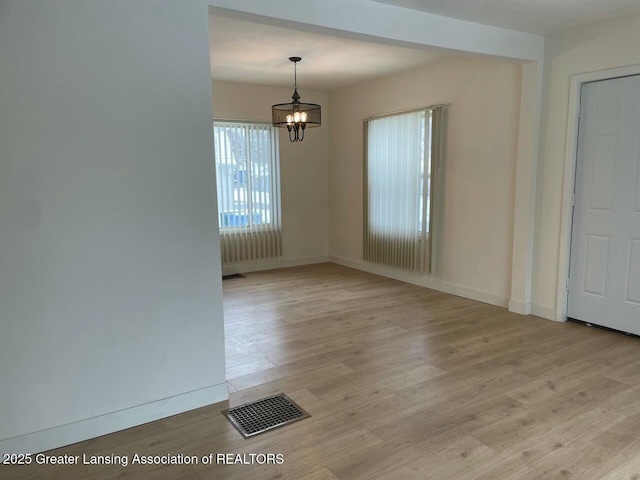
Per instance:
(398,210)
(248,183)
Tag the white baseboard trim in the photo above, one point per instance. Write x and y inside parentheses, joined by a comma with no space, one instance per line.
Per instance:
(112,422)
(271,264)
(520,307)
(423,281)
(544,312)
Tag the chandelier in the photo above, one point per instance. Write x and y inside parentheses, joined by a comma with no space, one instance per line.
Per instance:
(295,116)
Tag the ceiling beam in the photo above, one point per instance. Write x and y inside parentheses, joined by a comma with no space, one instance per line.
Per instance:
(373,21)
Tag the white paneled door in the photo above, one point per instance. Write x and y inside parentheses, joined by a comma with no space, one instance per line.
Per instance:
(604,279)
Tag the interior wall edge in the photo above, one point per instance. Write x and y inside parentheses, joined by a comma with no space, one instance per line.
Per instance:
(423,281)
(548,313)
(70,433)
(522,308)
(272,264)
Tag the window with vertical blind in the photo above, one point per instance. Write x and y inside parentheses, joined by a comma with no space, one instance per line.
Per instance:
(400,153)
(248,183)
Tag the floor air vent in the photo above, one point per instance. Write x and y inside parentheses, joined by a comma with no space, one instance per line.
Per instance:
(262,415)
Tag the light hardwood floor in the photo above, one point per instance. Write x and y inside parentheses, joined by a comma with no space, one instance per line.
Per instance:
(402,383)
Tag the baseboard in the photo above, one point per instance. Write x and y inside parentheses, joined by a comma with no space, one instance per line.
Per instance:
(423,281)
(271,264)
(112,422)
(544,312)
(520,307)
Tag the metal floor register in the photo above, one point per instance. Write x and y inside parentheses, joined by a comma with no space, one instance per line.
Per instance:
(263,415)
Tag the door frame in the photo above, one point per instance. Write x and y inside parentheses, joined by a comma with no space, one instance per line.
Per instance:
(569,184)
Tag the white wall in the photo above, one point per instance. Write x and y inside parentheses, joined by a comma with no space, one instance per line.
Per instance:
(304,170)
(475,239)
(601,46)
(110,292)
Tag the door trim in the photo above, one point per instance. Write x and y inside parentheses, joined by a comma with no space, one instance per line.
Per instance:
(570,162)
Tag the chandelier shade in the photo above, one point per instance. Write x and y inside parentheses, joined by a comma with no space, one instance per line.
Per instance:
(296,116)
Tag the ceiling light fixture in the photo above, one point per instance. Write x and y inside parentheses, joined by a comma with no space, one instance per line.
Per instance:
(295,116)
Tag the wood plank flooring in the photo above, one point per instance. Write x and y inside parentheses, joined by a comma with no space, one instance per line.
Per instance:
(402,383)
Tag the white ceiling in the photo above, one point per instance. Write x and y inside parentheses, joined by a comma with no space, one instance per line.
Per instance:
(543,17)
(249,52)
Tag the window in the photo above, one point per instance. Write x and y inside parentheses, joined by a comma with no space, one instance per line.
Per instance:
(425,183)
(248,183)
(399,158)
